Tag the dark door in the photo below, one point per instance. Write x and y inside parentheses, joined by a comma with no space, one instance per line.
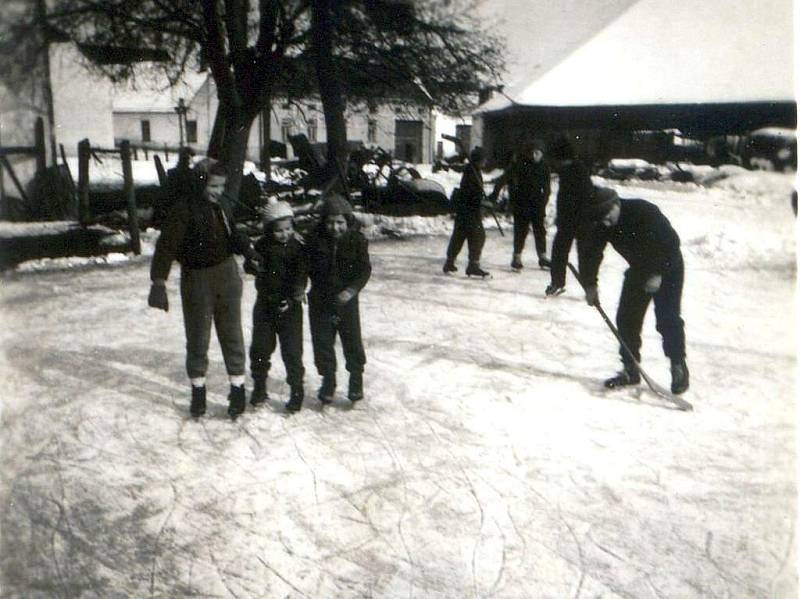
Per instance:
(408,141)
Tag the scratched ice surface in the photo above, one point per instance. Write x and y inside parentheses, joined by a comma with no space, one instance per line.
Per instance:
(486,460)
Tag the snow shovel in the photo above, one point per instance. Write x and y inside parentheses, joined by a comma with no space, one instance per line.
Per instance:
(682,404)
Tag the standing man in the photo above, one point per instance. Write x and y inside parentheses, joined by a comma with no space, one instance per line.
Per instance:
(575,190)
(201,235)
(528,180)
(644,237)
(468,223)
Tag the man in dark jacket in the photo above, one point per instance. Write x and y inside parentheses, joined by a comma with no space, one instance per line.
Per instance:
(339,268)
(528,181)
(200,234)
(575,191)
(644,237)
(468,222)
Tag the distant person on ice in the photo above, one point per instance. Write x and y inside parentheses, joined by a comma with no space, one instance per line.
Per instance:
(278,312)
(644,237)
(339,268)
(468,222)
(575,190)
(528,181)
(200,234)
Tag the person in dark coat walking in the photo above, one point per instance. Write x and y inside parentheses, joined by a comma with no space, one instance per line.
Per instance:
(468,222)
(200,234)
(278,312)
(575,190)
(528,181)
(339,268)
(642,235)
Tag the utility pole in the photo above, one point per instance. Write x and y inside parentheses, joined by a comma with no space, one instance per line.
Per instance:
(181,109)
(47,88)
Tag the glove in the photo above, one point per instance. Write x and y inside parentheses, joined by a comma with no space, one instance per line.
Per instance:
(653,284)
(158,296)
(250,267)
(345,296)
(592,297)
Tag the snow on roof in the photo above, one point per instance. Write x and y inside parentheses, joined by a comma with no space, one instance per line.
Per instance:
(154,94)
(673,52)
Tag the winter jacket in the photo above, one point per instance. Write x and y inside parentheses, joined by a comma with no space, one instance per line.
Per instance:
(198,233)
(528,184)
(575,189)
(335,265)
(284,269)
(470,192)
(643,236)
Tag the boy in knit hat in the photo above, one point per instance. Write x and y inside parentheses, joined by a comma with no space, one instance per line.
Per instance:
(644,237)
(339,268)
(278,312)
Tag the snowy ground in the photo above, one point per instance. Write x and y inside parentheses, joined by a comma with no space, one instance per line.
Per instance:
(486,460)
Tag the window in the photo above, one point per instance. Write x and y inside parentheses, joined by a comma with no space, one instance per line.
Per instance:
(372,131)
(312,130)
(191,132)
(145,130)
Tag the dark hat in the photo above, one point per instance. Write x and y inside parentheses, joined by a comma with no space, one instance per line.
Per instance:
(561,149)
(336,205)
(538,144)
(476,155)
(601,202)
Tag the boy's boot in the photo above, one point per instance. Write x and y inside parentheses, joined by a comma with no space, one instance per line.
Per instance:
(544,262)
(198,406)
(355,389)
(295,399)
(554,290)
(680,376)
(628,376)
(449,266)
(516,262)
(259,394)
(474,269)
(236,401)
(327,389)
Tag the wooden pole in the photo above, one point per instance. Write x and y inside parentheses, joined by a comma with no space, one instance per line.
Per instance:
(130,195)
(41,148)
(4,162)
(162,174)
(84,153)
(72,188)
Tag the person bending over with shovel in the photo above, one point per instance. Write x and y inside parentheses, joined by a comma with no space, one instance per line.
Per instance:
(642,235)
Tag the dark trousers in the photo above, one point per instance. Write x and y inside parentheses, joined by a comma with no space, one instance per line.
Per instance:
(633,304)
(213,294)
(469,229)
(326,320)
(561,247)
(525,220)
(270,325)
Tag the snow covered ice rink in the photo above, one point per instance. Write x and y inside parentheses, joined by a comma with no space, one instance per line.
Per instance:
(486,461)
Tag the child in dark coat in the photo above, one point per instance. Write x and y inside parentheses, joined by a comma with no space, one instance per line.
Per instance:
(278,312)
(644,237)
(339,268)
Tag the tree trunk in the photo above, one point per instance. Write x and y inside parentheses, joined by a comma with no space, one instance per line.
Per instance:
(216,143)
(266,135)
(234,150)
(333,101)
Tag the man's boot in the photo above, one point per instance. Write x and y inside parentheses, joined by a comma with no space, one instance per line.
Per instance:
(449,266)
(544,262)
(327,389)
(628,376)
(516,262)
(295,399)
(236,401)
(474,269)
(355,389)
(680,376)
(259,394)
(198,406)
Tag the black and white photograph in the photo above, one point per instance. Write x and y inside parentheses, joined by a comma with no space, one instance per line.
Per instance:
(526,272)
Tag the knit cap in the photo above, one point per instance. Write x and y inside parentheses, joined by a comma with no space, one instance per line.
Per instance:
(336,205)
(601,203)
(276,210)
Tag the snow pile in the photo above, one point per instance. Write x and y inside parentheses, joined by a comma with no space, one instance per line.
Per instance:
(53,264)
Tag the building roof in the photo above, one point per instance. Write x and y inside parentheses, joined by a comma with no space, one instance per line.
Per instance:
(154,94)
(672,52)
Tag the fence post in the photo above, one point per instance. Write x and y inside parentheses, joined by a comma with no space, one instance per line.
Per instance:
(41,150)
(130,195)
(84,153)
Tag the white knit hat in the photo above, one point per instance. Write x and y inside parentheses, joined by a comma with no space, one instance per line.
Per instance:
(276,210)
